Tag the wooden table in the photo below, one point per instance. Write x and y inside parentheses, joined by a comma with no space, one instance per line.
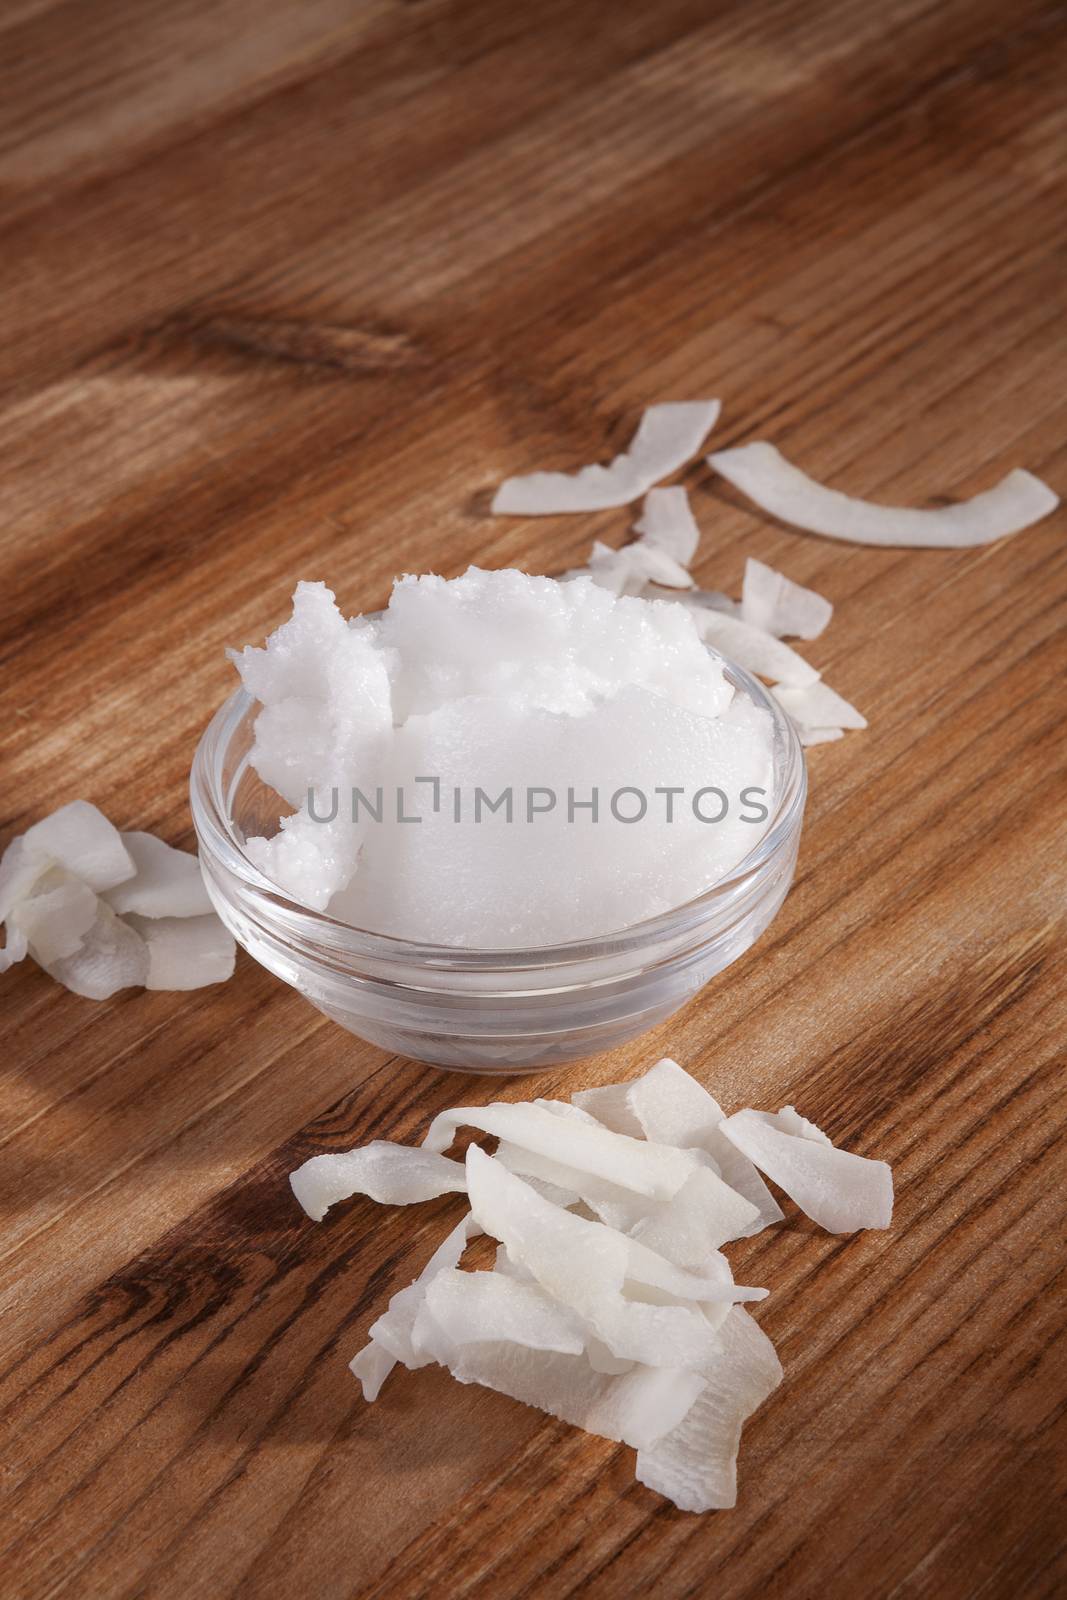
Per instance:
(286,289)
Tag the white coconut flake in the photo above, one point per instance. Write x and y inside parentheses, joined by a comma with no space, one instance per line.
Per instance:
(637,1407)
(615,570)
(695,1464)
(610,1106)
(629,571)
(750,647)
(481,1307)
(699,600)
(56,916)
(112,956)
(669,436)
(62,885)
(618,1207)
(392,1174)
(776,486)
(668,524)
(166,882)
(789,1120)
(704,1214)
(840,1191)
(585,1265)
(773,602)
(674,1109)
(373,1364)
(185,952)
(16,949)
(632,1164)
(20,870)
(818,708)
(80,838)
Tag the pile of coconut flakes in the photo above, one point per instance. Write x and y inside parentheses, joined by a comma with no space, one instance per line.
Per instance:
(610,1304)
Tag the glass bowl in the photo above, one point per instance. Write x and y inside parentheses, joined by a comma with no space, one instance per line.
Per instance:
(490,1011)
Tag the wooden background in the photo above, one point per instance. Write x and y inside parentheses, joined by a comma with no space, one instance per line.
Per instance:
(286,288)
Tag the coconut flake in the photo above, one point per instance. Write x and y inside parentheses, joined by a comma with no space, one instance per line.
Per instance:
(16,949)
(773,602)
(563,1185)
(20,869)
(585,1265)
(700,600)
(166,883)
(111,957)
(610,1105)
(615,569)
(480,1307)
(632,1164)
(185,952)
(695,1464)
(630,570)
(80,838)
(636,1408)
(838,1190)
(666,523)
(750,647)
(372,1366)
(704,1214)
(819,708)
(56,916)
(789,1120)
(668,436)
(776,486)
(673,1108)
(392,1174)
(636,1336)
(392,1331)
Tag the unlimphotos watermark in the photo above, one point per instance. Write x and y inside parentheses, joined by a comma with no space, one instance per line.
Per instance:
(530,803)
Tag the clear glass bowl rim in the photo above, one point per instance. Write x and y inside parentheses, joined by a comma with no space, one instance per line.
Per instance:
(218,837)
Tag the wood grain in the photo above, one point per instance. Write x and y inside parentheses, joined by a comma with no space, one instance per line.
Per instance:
(285,291)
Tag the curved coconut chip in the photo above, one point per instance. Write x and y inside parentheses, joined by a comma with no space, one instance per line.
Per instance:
(764,475)
(185,952)
(633,1164)
(20,871)
(112,956)
(789,1120)
(839,1191)
(392,1174)
(480,1307)
(666,523)
(585,1266)
(637,1407)
(704,1214)
(16,949)
(79,837)
(166,882)
(819,706)
(753,649)
(390,1339)
(564,1185)
(668,436)
(672,1108)
(56,917)
(773,602)
(695,1464)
